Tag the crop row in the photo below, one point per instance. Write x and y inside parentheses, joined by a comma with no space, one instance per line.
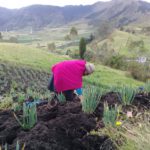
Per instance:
(21,78)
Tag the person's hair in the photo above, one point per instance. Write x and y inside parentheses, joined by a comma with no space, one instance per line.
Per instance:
(89,68)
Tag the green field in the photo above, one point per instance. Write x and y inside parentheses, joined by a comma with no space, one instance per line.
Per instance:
(24,75)
(119,41)
(40,59)
(25,55)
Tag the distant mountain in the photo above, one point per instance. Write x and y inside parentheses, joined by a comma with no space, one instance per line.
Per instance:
(119,12)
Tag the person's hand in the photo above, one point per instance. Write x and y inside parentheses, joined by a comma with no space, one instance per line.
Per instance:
(81,98)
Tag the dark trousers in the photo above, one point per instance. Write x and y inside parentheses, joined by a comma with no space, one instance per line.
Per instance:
(69,94)
(51,84)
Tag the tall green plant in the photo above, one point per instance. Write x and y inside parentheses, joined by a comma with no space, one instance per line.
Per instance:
(17,146)
(126,95)
(21,98)
(110,114)
(61,97)
(147,87)
(29,116)
(92,96)
(6,146)
(82,48)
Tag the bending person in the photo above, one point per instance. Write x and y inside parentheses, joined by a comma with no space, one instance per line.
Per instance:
(67,77)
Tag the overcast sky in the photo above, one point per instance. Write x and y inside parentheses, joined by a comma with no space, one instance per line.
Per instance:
(22,3)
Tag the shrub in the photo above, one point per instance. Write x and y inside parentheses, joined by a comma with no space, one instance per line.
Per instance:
(136,45)
(13,39)
(89,55)
(51,46)
(67,37)
(73,31)
(116,61)
(1,37)
(74,54)
(139,71)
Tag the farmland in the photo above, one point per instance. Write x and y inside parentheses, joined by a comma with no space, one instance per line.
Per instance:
(114,114)
(68,125)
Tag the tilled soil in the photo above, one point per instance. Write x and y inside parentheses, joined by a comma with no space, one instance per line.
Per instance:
(64,127)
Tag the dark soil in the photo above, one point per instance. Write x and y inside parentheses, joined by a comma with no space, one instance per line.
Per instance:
(140,103)
(64,127)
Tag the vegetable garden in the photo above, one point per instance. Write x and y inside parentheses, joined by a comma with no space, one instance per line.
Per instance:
(100,123)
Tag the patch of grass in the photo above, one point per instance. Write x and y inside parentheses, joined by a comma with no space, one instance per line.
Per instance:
(25,55)
(137,137)
(128,136)
(119,40)
(39,59)
(6,102)
(106,77)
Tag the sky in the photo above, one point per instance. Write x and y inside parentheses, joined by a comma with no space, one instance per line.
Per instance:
(22,3)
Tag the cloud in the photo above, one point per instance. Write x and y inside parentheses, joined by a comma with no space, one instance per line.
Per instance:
(20,3)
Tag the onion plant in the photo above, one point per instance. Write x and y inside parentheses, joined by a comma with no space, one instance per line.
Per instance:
(126,95)
(21,98)
(29,116)
(147,87)
(16,107)
(6,146)
(61,97)
(110,114)
(17,146)
(92,96)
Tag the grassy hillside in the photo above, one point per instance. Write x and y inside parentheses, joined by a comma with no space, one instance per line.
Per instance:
(108,77)
(122,42)
(25,55)
(39,59)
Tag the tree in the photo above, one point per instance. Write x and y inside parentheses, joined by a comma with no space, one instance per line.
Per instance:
(51,46)
(67,37)
(104,30)
(13,39)
(73,31)
(1,37)
(82,48)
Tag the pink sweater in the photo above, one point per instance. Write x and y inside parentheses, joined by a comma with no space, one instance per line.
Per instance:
(68,75)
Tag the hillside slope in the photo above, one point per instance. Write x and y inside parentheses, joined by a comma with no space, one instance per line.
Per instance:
(38,59)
